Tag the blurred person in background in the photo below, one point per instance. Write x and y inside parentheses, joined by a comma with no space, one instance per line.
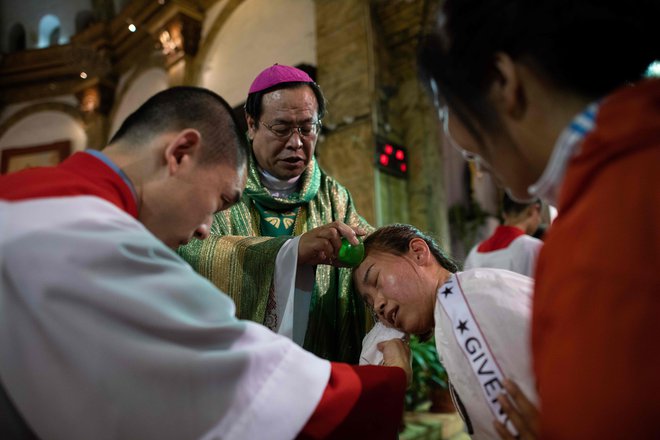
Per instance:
(512,245)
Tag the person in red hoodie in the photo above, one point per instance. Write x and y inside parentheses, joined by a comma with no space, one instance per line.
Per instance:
(105,332)
(550,96)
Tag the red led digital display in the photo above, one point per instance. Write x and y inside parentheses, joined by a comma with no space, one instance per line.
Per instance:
(392,159)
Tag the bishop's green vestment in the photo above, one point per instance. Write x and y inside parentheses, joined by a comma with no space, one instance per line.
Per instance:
(239,258)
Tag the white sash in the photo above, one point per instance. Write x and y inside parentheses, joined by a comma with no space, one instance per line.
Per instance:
(474,346)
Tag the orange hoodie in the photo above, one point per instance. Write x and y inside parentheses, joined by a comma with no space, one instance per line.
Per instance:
(596,318)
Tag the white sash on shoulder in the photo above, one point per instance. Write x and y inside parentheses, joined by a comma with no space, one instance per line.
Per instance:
(474,346)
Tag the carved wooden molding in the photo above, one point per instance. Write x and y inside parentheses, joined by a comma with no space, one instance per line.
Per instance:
(103,51)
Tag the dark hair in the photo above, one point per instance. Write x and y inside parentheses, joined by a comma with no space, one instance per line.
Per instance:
(510,206)
(540,232)
(395,238)
(587,47)
(183,107)
(254,100)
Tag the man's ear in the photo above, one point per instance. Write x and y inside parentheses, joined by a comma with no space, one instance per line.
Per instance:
(252,126)
(507,91)
(419,251)
(533,210)
(183,149)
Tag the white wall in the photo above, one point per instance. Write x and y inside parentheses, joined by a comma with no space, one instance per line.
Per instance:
(148,83)
(258,34)
(211,15)
(44,128)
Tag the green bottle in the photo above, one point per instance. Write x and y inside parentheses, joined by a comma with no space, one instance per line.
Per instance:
(351,255)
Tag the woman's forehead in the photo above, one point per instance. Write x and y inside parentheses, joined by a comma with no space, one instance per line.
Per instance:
(362,271)
(374,260)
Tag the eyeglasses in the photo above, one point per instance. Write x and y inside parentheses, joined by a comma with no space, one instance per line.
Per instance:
(284,131)
(443,114)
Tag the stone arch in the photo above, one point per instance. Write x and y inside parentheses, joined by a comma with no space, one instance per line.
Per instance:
(49,31)
(70,111)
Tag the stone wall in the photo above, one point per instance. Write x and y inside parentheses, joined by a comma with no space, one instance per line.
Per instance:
(367,68)
(345,73)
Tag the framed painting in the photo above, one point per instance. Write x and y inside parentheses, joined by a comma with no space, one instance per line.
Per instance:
(16,159)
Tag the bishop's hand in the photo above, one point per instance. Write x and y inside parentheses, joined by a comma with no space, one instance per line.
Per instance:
(321,245)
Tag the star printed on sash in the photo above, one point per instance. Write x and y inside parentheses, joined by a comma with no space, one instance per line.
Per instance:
(472,343)
(447,291)
(462,326)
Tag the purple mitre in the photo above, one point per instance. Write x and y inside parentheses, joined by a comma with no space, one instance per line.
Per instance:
(277,74)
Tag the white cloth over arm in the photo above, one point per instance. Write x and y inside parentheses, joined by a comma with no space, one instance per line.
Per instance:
(370,355)
(105,333)
(293,287)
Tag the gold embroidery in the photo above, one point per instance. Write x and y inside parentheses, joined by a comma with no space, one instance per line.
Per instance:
(273,221)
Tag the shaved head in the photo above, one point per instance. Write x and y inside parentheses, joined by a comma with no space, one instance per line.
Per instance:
(178,108)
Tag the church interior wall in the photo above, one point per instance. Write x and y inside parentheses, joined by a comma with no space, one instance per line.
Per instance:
(345,73)
(23,12)
(45,127)
(119,4)
(259,33)
(136,91)
(346,154)
(364,55)
(211,16)
(13,109)
(438,177)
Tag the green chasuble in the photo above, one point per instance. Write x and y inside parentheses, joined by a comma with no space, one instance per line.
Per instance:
(240,260)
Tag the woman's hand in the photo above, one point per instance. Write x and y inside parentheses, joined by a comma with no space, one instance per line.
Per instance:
(396,353)
(523,414)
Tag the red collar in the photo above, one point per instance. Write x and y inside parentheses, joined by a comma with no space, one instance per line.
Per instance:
(110,184)
(501,239)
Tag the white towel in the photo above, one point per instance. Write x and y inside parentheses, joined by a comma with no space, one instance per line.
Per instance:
(370,354)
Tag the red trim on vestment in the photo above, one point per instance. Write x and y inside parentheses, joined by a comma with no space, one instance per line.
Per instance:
(501,239)
(80,174)
(359,402)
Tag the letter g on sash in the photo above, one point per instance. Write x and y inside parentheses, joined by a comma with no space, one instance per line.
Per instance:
(472,344)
